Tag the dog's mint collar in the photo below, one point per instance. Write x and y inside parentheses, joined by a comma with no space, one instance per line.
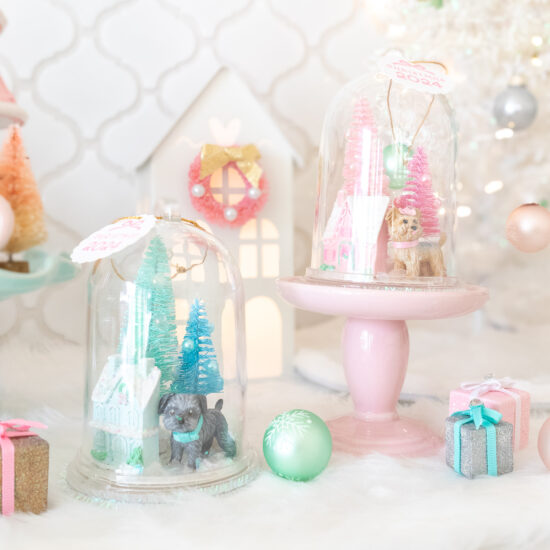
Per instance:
(187,437)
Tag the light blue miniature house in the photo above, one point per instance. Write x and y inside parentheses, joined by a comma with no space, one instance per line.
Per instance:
(125,402)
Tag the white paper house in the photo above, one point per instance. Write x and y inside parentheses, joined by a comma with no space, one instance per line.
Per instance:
(225,112)
(125,414)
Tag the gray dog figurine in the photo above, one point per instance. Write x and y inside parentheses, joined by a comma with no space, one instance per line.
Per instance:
(194,427)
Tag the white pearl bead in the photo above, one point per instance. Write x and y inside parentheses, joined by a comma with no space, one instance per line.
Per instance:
(230,214)
(188,344)
(198,190)
(254,193)
(212,366)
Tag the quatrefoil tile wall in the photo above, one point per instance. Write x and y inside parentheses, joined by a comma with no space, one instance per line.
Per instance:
(95,76)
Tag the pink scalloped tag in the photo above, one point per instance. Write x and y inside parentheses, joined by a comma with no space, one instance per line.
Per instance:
(112,238)
(427,77)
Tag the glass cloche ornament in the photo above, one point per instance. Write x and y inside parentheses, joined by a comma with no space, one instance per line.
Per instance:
(383,243)
(165,374)
(385,211)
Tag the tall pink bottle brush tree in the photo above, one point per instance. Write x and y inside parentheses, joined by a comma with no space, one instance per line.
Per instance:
(345,244)
(362,152)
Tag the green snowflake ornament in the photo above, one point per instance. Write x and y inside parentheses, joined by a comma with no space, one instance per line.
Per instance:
(297,445)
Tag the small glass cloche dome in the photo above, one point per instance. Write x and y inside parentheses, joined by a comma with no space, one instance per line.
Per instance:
(385,212)
(165,375)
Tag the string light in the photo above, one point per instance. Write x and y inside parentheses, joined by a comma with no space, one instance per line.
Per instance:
(463,211)
(536,61)
(493,187)
(537,41)
(504,133)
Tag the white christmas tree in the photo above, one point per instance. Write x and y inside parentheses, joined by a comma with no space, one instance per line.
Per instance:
(486,45)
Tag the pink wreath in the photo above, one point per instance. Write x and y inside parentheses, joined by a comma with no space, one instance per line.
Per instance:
(214,211)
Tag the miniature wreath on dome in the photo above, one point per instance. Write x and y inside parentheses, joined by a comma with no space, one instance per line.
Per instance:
(243,159)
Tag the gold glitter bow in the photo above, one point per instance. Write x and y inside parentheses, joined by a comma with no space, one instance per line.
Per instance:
(214,157)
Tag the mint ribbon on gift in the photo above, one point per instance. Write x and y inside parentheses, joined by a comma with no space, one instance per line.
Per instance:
(481,416)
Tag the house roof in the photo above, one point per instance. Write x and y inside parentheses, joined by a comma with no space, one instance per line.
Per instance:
(232,80)
(139,383)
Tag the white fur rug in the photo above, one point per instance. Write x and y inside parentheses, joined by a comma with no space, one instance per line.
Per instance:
(373,502)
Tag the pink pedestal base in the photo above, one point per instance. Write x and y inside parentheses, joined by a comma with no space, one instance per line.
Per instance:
(397,437)
(376,350)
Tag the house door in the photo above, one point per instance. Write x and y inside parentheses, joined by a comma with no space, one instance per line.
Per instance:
(264,355)
(346,256)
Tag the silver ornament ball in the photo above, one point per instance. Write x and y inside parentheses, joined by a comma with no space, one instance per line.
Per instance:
(230,214)
(254,193)
(198,190)
(516,108)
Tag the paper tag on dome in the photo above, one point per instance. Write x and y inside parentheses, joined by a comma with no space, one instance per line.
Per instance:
(112,238)
(418,76)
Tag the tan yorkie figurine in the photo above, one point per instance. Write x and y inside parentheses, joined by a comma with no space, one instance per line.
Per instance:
(409,254)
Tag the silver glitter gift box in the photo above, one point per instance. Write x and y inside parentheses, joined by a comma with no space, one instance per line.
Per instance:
(473,456)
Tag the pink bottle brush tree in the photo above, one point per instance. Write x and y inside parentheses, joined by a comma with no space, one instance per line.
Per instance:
(355,239)
(418,193)
(363,171)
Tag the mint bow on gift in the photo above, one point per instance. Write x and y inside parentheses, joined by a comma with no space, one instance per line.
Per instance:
(481,416)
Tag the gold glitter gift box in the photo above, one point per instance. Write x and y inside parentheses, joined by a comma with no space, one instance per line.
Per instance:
(31,474)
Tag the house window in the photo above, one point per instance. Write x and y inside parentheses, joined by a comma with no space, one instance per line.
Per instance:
(227,185)
(113,415)
(186,254)
(259,251)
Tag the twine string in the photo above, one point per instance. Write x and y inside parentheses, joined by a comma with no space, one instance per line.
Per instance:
(180,269)
(427,111)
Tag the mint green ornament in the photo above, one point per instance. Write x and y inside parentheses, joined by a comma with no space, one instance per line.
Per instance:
(297,445)
(396,158)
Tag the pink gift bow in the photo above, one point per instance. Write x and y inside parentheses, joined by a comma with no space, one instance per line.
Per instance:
(477,389)
(8,430)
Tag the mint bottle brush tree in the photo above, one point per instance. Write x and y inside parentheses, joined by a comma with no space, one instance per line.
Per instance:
(162,344)
(199,370)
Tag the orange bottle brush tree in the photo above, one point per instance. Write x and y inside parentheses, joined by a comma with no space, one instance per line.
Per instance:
(18,187)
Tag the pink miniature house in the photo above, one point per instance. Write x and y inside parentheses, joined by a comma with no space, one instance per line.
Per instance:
(355,238)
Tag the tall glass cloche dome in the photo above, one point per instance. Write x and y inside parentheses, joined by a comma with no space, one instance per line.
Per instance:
(385,210)
(165,373)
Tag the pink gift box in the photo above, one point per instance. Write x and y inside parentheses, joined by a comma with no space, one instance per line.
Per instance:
(499,400)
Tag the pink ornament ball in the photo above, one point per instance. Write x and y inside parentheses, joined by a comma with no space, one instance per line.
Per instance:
(7,222)
(544,443)
(528,228)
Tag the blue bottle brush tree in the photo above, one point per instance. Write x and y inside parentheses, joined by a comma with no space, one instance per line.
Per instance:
(162,342)
(199,370)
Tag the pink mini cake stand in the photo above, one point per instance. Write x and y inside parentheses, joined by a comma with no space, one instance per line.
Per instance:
(376,349)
